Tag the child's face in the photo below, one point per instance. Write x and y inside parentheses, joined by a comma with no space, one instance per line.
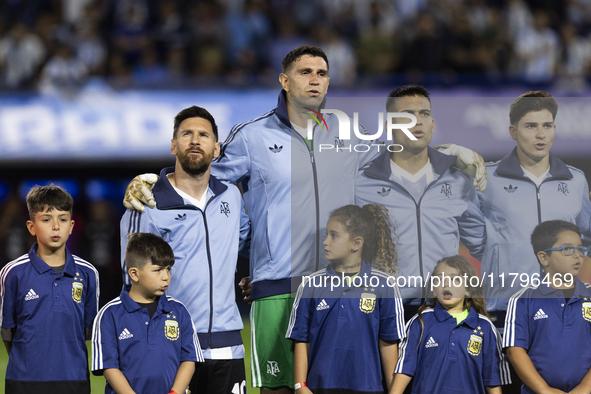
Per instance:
(52,228)
(556,264)
(449,294)
(152,280)
(338,245)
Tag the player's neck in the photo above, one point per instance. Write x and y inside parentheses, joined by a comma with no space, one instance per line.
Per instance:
(538,168)
(297,115)
(409,161)
(52,257)
(194,186)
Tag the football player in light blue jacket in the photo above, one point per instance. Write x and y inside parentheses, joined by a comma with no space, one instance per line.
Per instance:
(527,187)
(203,220)
(433,204)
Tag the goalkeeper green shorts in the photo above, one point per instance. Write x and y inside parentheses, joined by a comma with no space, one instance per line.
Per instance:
(271,359)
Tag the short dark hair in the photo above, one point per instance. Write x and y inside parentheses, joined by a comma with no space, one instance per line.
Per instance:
(546,233)
(533,101)
(51,197)
(194,112)
(300,51)
(407,91)
(144,248)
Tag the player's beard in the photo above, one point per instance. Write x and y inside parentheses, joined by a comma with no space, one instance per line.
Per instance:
(195,166)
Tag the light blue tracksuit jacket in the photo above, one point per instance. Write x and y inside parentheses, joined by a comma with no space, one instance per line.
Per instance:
(205,245)
(513,206)
(289,192)
(432,227)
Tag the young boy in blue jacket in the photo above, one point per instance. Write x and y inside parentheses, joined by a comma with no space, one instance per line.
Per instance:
(548,324)
(144,341)
(49,300)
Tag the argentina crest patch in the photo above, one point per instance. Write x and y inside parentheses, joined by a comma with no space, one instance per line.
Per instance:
(367,302)
(475,345)
(171,329)
(77,288)
(587,311)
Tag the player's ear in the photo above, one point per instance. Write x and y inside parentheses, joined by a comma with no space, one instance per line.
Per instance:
(543,258)
(216,151)
(30,227)
(357,244)
(133,274)
(513,132)
(284,81)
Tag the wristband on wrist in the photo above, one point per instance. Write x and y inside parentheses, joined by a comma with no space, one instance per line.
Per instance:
(299,385)
(172,392)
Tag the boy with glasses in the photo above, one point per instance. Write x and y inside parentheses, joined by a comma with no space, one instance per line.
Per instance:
(552,321)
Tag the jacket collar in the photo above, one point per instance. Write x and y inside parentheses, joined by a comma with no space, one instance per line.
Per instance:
(166,197)
(442,315)
(380,167)
(132,306)
(581,290)
(281,109)
(509,166)
(41,266)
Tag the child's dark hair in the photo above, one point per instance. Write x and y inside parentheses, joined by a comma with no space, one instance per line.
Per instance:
(533,101)
(546,233)
(373,224)
(464,267)
(49,197)
(144,248)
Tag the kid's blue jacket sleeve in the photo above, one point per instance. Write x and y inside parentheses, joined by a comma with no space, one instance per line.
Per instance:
(391,316)
(301,316)
(495,368)
(92,298)
(408,349)
(516,323)
(190,347)
(8,298)
(105,350)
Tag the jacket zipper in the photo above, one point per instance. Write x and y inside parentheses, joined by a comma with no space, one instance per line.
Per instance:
(210,273)
(418,215)
(316,198)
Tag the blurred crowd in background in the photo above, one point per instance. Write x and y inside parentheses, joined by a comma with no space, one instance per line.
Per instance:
(64,44)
